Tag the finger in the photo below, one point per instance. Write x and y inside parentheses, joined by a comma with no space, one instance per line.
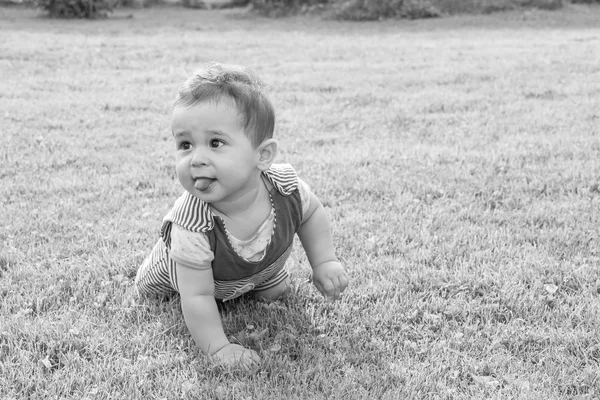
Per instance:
(248,365)
(239,360)
(329,290)
(334,292)
(252,363)
(254,357)
(319,287)
(344,281)
(338,289)
(249,355)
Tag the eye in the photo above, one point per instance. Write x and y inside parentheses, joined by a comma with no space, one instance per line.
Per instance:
(185,146)
(216,143)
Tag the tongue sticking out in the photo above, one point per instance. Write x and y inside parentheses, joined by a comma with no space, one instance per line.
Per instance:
(203,183)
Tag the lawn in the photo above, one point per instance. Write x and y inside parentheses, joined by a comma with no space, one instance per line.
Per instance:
(459,160)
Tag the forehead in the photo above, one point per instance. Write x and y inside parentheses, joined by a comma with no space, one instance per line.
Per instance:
(219,112)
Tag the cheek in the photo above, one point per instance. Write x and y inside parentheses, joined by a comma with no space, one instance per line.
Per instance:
(181,166)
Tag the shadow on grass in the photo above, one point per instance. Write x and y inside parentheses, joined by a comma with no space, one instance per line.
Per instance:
(267,328)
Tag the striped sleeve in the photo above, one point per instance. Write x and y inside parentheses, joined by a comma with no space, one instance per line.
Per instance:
(190,213)
(283,177)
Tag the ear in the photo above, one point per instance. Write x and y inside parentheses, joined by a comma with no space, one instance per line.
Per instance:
(267,151)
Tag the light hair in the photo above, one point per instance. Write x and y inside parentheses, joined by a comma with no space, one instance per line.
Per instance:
(216,82)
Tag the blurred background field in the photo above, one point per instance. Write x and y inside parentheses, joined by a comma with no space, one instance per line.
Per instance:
(357,10)
(458,157)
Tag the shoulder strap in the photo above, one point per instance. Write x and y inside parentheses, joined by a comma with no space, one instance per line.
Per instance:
(190,213)
(283,177)
(194,215)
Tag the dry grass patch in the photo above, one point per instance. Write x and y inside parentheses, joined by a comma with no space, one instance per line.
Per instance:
(458,159)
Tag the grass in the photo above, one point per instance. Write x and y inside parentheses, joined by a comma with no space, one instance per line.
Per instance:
(459,160)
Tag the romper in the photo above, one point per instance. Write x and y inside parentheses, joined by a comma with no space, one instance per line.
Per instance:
(233,275)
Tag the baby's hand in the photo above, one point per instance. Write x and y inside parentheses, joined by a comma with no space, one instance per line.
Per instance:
(331,279)
(234,355)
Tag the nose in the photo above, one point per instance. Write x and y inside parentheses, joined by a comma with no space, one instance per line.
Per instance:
(199,157)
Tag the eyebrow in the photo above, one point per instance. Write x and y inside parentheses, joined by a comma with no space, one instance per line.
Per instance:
(185,133)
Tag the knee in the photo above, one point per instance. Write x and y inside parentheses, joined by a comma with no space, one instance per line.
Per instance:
(273,293)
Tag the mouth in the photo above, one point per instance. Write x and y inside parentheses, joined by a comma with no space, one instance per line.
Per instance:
(203,184)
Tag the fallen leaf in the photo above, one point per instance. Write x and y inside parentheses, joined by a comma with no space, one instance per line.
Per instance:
(285,336)
(275,306)
(488,382)
(46,363)
(550,288)
(100,300)
(275,348)
(522,384)
(241,337)
(26,311)
(187,386)
(433,318)
(74,331)
(260,335)
(221,392)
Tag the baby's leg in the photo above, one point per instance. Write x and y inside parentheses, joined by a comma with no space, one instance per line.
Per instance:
(274,292)
(155,275)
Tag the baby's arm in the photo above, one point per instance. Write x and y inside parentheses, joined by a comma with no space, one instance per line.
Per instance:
(197,288)
(329,275)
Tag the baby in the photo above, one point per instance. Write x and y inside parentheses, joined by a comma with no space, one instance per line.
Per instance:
(232,230)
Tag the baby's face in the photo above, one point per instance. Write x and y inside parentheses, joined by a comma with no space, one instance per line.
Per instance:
(216,161)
